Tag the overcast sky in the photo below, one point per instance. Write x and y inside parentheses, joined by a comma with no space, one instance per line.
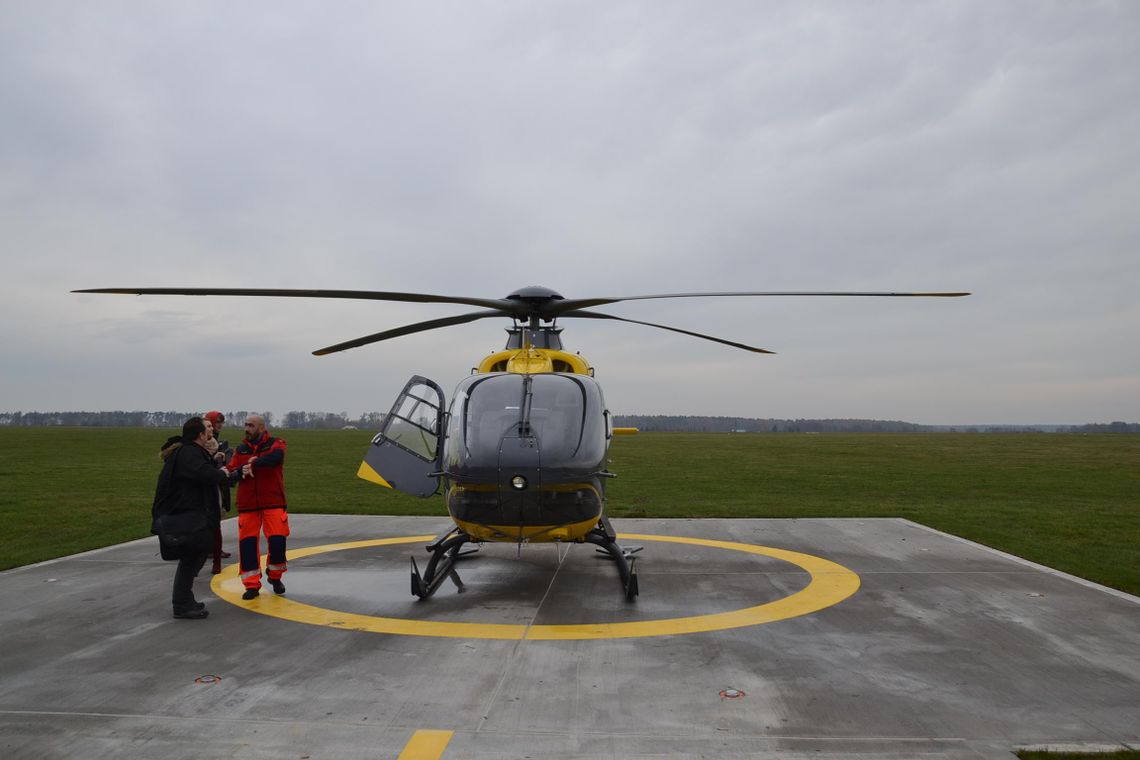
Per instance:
(596,148)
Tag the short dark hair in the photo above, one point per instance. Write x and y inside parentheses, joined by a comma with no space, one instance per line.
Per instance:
(192,428)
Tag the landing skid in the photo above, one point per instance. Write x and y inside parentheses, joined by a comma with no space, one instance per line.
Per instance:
(444,554)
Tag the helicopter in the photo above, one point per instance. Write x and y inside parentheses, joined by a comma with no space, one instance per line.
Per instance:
(520,454)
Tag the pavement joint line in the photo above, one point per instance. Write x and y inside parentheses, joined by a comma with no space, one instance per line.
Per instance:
(1128,744)
(735,736)
(149,562)
(486,711)
(80,555)
(1028,563)
(517,732)
(546,594)
(379,726)
(947,572)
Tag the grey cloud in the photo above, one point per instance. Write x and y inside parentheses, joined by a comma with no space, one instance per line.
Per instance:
(594,148)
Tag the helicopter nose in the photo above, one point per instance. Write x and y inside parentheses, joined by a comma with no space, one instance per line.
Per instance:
(520,476)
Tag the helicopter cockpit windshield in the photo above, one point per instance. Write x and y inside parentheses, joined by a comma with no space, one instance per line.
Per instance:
(564,413)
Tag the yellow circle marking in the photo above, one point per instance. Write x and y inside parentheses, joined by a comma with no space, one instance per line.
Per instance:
(830,584)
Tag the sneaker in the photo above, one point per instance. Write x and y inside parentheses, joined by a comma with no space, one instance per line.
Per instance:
(278,586)
(226,555)
(250,593)
(194,613)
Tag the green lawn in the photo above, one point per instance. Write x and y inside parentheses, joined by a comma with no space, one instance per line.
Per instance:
(1068,501)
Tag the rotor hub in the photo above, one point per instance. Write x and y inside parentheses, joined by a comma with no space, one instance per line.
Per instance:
(535,294)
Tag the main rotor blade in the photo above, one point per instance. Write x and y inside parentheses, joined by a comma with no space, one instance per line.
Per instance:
(599,315)
(564,306)
(408,330)
(547,305)
(506,307)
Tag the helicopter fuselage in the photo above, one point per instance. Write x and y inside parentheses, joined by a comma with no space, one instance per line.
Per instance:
(520,453)
(524,458)
(520,456)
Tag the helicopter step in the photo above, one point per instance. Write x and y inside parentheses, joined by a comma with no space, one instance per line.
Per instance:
(445,553)
(605,538)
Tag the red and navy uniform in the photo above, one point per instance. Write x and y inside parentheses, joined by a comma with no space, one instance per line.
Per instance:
(261,507)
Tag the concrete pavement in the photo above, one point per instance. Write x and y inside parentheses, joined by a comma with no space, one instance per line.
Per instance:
(900,642)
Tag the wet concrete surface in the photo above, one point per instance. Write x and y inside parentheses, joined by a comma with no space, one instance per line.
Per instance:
(946,650)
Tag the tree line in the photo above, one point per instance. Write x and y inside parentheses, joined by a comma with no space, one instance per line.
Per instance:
(170,419)
(174,419)
(695,424)
(648,423)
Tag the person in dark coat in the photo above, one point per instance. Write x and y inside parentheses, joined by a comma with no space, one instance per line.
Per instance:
(186,495)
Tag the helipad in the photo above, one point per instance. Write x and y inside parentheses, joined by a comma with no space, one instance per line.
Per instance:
(945,650)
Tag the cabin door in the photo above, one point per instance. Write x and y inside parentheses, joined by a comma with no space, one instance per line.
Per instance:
(405,454)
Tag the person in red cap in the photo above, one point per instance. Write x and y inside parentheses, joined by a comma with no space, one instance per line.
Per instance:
(222,455)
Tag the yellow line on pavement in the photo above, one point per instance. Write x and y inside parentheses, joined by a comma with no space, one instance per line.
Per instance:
(830,584)
(426,745)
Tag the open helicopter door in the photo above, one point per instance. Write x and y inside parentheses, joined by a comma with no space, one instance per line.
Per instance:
(404,455)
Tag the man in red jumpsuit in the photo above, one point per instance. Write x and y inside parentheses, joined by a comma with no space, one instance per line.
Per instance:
(261,505)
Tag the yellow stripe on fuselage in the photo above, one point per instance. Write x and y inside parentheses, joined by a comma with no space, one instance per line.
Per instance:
(539,534)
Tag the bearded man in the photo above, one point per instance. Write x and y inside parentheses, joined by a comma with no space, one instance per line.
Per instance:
(261,506)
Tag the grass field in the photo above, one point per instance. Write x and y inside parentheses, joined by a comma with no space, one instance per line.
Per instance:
(1068,501)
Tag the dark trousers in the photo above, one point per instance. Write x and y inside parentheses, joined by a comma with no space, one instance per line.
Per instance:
(183,595)
(216,552)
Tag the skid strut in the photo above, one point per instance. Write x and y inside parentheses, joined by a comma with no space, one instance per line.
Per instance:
(603,536)
(444,554)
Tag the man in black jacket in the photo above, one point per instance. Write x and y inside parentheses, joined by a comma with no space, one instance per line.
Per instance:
(187,492)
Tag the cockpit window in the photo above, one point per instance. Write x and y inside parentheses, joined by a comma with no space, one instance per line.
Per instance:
(563,412)
(491,410)
(558,412)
